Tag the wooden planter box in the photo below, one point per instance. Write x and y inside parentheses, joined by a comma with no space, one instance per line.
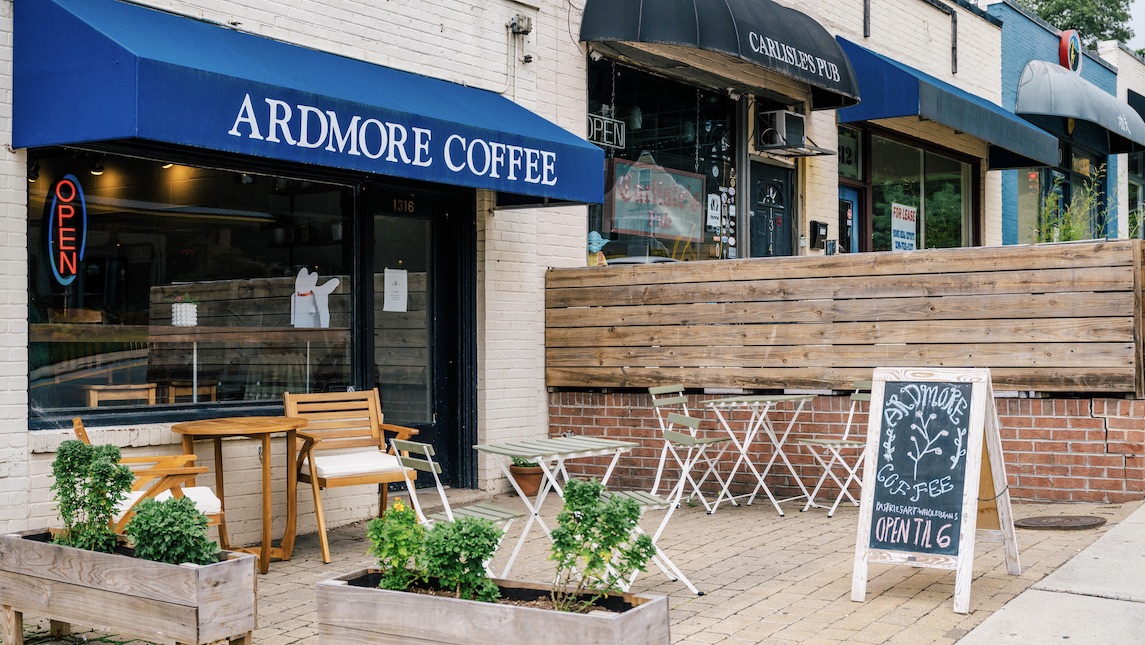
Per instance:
(348,613)
(154,601)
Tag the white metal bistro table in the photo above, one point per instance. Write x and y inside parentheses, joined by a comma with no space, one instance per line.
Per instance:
(743,436)
(550,454)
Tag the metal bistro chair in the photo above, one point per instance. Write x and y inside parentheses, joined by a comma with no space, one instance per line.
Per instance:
(163,477)
(693,450)
(668,400)
(419,456)
(845,451)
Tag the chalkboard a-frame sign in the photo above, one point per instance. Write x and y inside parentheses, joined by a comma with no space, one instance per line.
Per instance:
(932,466)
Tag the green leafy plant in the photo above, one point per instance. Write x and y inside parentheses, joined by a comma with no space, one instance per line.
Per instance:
(456,552)
(171,531)
(453,553)
(1061,222)
(396,540)
(89,484)
(521,462)
(595,545)
(186,298)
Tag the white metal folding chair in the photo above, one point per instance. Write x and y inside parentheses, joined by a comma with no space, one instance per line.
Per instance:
(845,451)
(664,399)
(693,450)
(419,456)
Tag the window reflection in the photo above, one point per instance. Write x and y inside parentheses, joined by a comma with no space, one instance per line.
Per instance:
(233,245)
(671,175)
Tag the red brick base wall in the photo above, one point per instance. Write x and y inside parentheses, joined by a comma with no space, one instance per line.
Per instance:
(1069,450)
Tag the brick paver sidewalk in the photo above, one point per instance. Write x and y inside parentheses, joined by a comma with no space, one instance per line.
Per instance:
(768,579)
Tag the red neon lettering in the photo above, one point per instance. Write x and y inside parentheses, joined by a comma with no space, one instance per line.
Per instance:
(67,263)
(67,238)
(71,189)
(66,191)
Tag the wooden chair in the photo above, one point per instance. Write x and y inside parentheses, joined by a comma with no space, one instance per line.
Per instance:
(668,400)
(845,451)
(344,444)
(163,477)
(419,456)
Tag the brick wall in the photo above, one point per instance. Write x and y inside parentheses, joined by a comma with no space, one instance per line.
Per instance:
(1059,450)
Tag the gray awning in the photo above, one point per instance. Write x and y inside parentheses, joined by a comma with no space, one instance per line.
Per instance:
(1049,94)
(758,32)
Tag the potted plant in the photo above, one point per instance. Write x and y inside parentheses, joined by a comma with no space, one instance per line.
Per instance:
(527,475)
(185,311)
(85,574)
(353,608)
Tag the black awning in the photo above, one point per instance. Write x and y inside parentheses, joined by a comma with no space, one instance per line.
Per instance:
(759,32)
(893,89)
(1049,95)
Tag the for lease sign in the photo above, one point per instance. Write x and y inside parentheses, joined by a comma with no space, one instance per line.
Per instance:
(904,228)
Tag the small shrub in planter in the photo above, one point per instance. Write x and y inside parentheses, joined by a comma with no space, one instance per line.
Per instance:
(93,581)
(594,545)
(171,531)
(451,555)
(352,608)
(89,484)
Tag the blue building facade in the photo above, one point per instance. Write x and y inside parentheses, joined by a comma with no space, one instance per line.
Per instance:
(1085,154)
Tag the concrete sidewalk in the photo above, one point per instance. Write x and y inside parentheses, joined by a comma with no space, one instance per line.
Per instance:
(1097,598)
(786,580)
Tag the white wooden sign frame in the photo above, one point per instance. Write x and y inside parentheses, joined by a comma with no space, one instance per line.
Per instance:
(983,440)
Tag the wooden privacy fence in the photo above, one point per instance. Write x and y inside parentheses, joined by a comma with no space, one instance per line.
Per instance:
(1050,318)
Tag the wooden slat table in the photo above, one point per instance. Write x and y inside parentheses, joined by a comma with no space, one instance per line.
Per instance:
(550,454)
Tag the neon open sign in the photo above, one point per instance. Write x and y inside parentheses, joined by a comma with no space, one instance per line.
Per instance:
(67,229)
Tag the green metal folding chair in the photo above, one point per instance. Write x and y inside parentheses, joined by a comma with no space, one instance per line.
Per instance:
(419,456)
(668,400)
(845,451)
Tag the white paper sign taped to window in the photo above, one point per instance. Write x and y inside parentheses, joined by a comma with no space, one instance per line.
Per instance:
(396,294)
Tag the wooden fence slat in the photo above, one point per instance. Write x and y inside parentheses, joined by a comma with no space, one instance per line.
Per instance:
(1064,305)
(1118,278)
(1054,355)
(983,259)
(826,378)
(1039,330)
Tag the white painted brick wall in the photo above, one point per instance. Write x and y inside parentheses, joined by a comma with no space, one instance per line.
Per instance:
(1130,76)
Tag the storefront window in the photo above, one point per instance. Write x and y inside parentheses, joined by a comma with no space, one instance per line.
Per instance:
(670,176)
(1071,202)
(896,186)
(155,283)
(946,186)
(1136,192)
(921,199)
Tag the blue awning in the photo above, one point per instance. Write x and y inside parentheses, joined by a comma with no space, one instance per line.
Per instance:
(89,71)
(891,89)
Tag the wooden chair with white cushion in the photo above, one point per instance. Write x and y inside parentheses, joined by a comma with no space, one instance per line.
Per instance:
(419,456)
(845,451)
(344,444)
(163,477)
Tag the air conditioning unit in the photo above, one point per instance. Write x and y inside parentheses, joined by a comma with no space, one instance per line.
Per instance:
(780,129)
